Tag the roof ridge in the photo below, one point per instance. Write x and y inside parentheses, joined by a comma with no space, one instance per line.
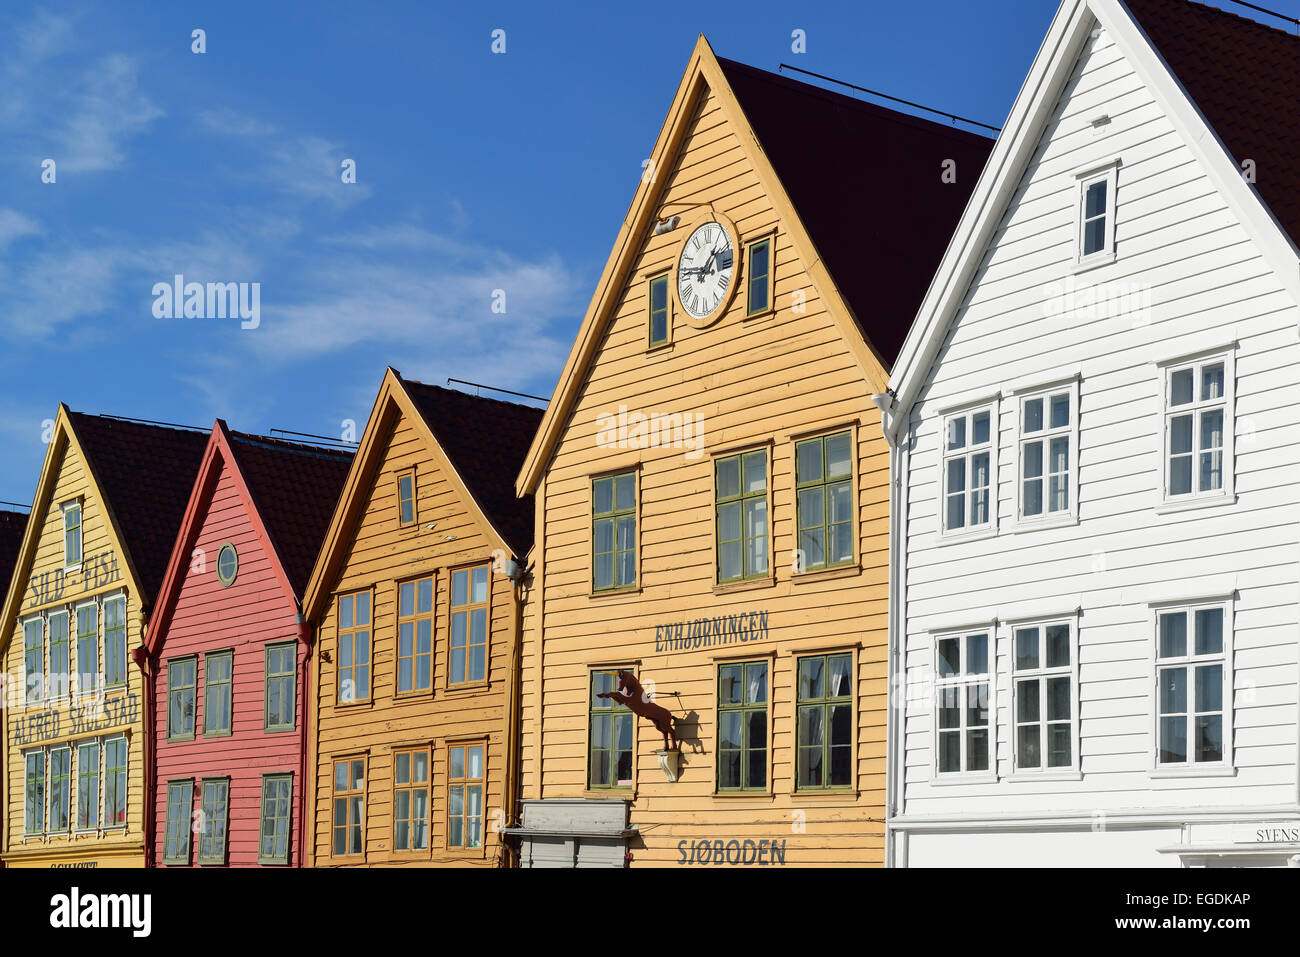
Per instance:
(287,445)
(471,395)
(140,423)
(1241,18)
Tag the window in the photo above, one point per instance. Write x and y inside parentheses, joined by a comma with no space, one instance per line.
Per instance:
(1097,216)
(406,498)
(60,654)
(1043,698)
(227,564)
(758,270)
(277,795)
(1198,431)
(411,800)
(825,723)
(964,732)
(34,806)
(88,785)
(469,625)
(415,635)
(180,699)
(71,534)
(740,490)
(465,796)
(354,647)
(610,753)
(742,726)
(1193,682)
(660,327)
(87,648)
(968,470)
(115,641)
(176,835)
(212,833)
(217,680)
(349,806)
(281,687)
(824,476)
(1047,439)
(115,782)
(613,532)
(60,789)
(34,659)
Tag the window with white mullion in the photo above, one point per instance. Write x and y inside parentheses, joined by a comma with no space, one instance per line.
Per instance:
(1047,453)
(1196,419)
(1043,696)
(963,729)
(967,470)
(1193,687)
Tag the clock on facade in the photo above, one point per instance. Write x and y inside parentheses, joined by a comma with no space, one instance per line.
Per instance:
(705,270)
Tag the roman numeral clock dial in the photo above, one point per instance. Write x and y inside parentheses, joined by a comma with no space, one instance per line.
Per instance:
(705,270)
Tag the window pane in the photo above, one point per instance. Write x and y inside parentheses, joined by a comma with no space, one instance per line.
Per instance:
(808,461)
(755,684)
(1060,410)
(755,472)
(1212,382)
(625,492)
(1209,688)
(1173,690)
(728,472)
(1058,646)
(839,676)
(1173,740)
(1209,738)
(950,751)
(1209,631)
(977,655)
(1033,460)
(957,433)
(838,459)
(1180,387)
(1027,703)
(977,705)
(1058,745)
(1173,635)
(977,750)
(1028,746)
(1033,415)
(957,475)
(602,494)
(1096,200)
(980,428)
(950,707)
(1026,648)
(810,677)
(1058,699)
(1094,236)
(948,661)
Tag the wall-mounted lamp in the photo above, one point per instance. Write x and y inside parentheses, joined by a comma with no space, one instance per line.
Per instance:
(665,225)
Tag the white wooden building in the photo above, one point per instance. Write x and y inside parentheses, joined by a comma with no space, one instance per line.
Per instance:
(1095,560)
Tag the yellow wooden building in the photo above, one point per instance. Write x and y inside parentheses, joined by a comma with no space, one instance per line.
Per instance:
(711,486)
(109,502)
(417,613)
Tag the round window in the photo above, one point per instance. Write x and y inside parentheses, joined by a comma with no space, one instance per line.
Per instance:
(227,564)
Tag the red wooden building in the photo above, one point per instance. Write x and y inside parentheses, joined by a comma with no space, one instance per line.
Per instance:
(226,654)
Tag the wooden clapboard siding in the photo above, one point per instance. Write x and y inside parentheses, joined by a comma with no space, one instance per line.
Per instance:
(1208,283)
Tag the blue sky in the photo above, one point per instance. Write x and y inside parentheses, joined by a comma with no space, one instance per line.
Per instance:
(475,171)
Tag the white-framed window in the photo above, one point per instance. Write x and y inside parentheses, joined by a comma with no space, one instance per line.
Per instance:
(1198,428)
(1047,453)
(71,533)
(1044,696)
(1193,677)
(964,728)
(34,659)
(969,470)
(1096,216)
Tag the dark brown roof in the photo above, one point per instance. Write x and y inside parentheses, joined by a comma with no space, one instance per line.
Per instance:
(295,488)
(1245,78)
(12,525)
(486,440)
(866,182)
(146,473)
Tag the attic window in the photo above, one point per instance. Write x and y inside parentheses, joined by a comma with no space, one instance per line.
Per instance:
(71,533)
(227,564)
(406,498)
(1097,217)
(660,329)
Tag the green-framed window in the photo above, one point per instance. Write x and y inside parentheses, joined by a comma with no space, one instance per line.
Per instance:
(349,807)
(610,727)
(406,498)
(758,272)
(742,726)
(115,641)
(34,659)
(115,782)
(613,532)
(740,494)
(281,687)
(215,806)
(659,317)
(176,835)
(465,795)
(181,677)
(71,534)
(218,677)
(60,789)
(60,653)
(469,625)
(411,799)
(34,798)
(824,479)
(825,723)
(415,635)
(88,785)
(354,647)
(87,647)
(277,802)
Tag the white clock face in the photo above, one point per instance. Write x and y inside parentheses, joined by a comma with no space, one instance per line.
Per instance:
(705,270)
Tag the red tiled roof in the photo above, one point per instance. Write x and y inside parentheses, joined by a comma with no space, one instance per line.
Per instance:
(1245,78)
(146,473)
(295,488)
(12,526)
(486,440)
(866,182)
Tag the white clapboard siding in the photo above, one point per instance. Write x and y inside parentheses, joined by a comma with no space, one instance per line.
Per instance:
(1182,245)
